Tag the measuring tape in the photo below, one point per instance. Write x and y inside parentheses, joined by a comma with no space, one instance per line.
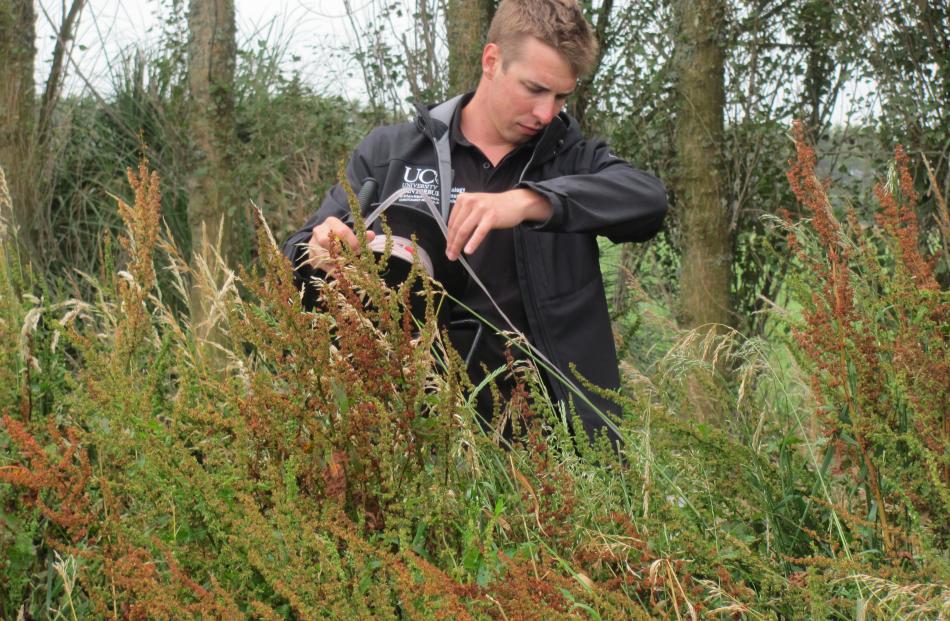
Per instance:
(405,250)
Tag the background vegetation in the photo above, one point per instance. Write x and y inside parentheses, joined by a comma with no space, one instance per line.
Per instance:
(179,439)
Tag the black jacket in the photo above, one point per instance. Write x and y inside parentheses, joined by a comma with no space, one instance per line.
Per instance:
(592,191)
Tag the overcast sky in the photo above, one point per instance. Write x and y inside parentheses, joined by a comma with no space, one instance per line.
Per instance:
(315,31)
(310,29)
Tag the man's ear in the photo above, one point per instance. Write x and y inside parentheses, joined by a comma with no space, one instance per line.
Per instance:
(491,60)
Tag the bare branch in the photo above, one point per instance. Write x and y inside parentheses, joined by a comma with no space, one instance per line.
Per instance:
(57,72)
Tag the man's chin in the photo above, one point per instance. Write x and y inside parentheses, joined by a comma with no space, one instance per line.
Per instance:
(518,137)
(527,132)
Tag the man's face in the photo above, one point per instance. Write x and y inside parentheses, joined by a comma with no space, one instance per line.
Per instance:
(527,92)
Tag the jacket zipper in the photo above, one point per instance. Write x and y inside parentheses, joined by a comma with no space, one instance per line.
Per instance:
(531,306)
(528,165)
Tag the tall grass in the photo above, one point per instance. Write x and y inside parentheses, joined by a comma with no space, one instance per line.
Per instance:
(328,465)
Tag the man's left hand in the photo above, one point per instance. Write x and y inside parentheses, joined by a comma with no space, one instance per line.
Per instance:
(477,213)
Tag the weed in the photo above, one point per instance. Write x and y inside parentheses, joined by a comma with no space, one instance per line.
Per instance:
(330,464)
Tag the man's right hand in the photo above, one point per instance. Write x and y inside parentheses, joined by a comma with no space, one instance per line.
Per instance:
(324,235)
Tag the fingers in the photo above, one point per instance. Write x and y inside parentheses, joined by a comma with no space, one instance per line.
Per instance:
(324,235)
(478,236)
(467,228)
(332,230)
(463,221)
(474,215)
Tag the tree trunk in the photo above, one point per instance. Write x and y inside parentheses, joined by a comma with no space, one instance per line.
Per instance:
(705,299)
(706,240)
(17,53)
(211,59)
(819,39)
(583,97)
(213,207)
(467,25)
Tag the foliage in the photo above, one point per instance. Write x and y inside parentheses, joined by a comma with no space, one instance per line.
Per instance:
(875,332)
(290,141)
(329,464)
(401,50)
(332,466)
(784,60)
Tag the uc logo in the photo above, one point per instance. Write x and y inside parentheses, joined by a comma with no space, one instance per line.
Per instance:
(422,175)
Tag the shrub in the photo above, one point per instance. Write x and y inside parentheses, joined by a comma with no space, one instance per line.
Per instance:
(875,336)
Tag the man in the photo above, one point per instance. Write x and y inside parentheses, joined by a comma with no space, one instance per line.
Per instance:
(526,193)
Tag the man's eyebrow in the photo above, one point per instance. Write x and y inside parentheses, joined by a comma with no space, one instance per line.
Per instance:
(539,86)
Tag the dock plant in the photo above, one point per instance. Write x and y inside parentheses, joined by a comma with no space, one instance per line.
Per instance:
(273,462)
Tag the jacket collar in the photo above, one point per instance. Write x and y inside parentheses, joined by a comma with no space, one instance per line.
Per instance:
(553,138)
(434,120)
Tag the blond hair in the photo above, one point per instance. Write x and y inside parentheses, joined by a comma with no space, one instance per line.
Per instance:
(558,23)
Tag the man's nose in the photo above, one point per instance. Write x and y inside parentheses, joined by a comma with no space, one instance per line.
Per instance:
(546,109)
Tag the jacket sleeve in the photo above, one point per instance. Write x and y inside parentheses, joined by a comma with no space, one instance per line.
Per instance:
(335,203)
(601,194)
